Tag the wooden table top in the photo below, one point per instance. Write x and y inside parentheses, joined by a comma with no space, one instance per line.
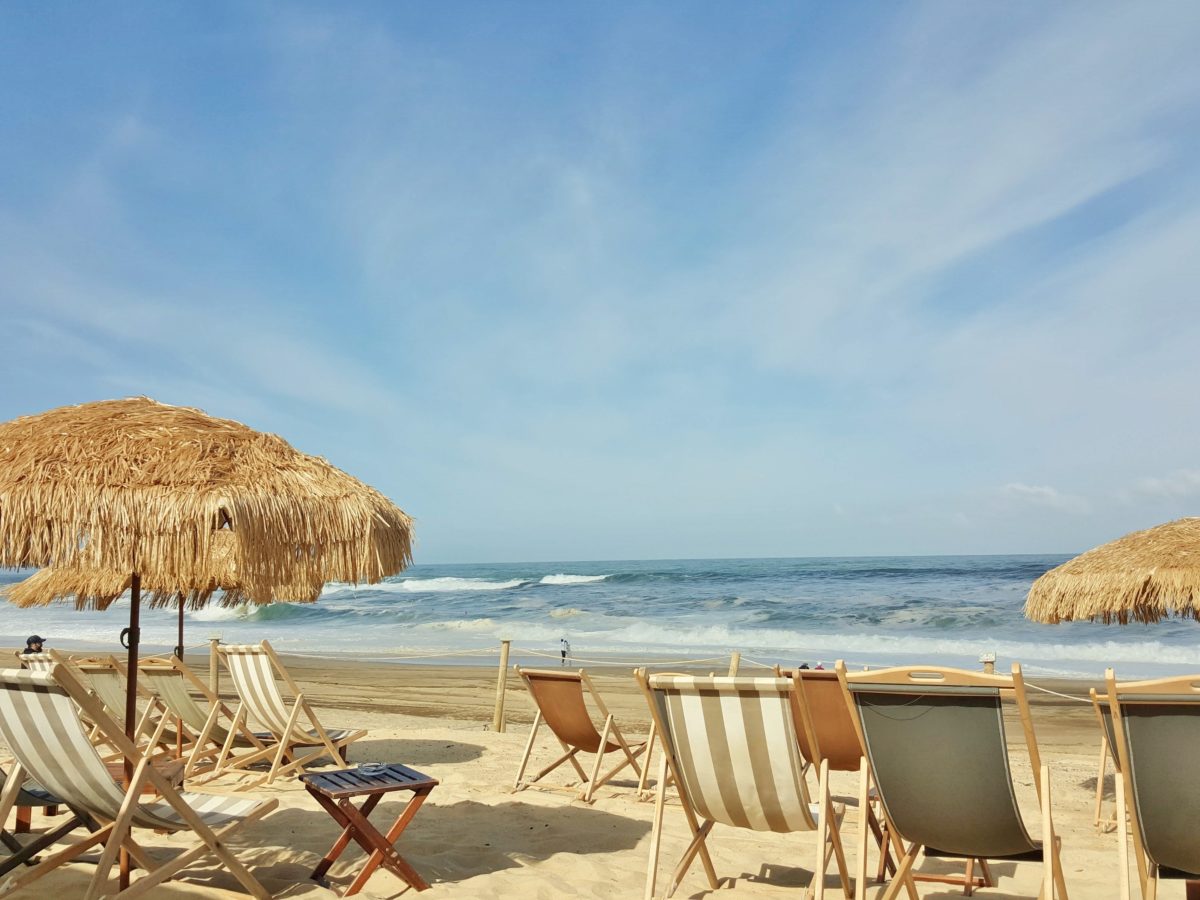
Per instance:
(355,782)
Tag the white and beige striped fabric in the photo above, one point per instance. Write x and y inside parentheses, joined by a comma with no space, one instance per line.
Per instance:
(36,662)
(109,685)
(168,686)
(734,744)
(41,726)
(253,677)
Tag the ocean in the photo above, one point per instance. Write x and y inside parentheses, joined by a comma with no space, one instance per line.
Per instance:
(868,610)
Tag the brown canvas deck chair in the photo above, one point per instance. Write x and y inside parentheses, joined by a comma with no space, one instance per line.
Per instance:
(41,724)
(252,668)
(204,732)
(1156,732)
(935,740)
(558,698)
(834,738)
(729,747)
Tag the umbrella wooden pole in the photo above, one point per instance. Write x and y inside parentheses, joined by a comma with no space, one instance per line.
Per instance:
(179,644)
(135,602)
(135,631)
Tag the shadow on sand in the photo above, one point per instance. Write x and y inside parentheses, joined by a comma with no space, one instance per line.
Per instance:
(461,840)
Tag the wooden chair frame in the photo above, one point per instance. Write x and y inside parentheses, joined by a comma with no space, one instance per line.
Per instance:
(1099,819)
(1126,803)
(827,830)
(204,744)
(1053,881)
(147,727)
(589,784)
(117,836)
(284,756)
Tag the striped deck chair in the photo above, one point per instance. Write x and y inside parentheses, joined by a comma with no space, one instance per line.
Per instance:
(1156,732)
(106,678)
(103,676)
(935,740)
(558,698)
(204,733)
(252,668)
(40,722)
(29,797)
(729,746)
(35,662)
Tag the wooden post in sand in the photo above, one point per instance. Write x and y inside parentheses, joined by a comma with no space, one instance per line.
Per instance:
(214,669)
(735,660)
(501,685)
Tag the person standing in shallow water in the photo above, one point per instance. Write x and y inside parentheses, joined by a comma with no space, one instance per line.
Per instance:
(565,649)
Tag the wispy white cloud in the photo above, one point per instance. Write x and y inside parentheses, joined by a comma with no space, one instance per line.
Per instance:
(1180,484)
(868,281)
(1041,495)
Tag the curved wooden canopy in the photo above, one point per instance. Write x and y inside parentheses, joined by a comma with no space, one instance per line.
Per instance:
(188,501)
(1145,576)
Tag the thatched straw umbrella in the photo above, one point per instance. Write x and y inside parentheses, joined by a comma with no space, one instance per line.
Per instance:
(98,588)
(139,487)
(1145,576)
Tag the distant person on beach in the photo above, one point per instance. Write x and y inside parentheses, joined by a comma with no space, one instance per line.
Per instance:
(820,666)
(804,665)
(33,644)
(565,649)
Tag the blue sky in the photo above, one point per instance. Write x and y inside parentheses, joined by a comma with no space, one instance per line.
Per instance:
(594,281)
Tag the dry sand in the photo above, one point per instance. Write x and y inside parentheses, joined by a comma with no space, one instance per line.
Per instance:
(475,839)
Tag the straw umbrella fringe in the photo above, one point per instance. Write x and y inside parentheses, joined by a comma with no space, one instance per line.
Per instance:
(138,486)
(1145,576)
(99,588)
(174,497)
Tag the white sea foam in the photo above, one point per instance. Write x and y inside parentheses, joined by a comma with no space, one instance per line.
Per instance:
(220,613)
(567,613)
(572,579)
(439,585)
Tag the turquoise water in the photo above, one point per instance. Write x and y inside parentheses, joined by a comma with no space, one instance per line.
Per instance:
(947,609)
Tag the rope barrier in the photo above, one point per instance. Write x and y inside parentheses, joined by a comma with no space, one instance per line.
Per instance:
(446,654)
(1045,690)
(621,661)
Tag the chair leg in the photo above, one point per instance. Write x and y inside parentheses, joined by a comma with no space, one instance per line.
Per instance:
(697,847)
(1122,840)
(120,831)
(590,788)
(903,876)
(822,836)
(656,830)
(1103,769)
(537,723)
(646,762)
(1053,883)
(864,811)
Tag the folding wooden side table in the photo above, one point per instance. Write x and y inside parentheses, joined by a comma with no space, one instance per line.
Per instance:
(334,791)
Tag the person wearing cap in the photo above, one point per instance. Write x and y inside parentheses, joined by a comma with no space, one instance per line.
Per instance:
(33,644)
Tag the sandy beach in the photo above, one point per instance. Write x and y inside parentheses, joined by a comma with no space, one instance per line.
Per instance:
(475,839)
